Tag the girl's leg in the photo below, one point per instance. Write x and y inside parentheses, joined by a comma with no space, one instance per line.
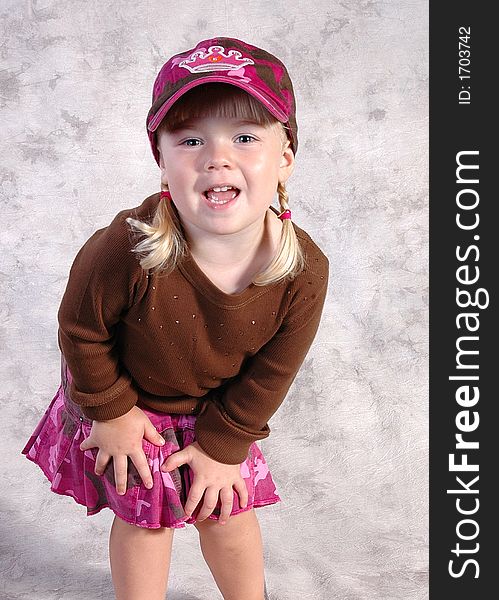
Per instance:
(234,554)
(140,560)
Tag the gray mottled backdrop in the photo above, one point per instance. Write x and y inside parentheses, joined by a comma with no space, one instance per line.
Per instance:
(348,447)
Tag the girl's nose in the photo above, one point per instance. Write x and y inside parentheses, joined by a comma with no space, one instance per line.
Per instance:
(217,157)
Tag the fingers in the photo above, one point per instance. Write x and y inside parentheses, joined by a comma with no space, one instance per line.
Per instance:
(87,444)
(175,460)
(120,465)
(209,504)
(242,491)
(194,498)
(211,495)
(101,460)
(152,435)
(140,461)
(227,501)
(120,472)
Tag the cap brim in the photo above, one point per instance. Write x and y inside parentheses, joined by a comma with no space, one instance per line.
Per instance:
(263,98)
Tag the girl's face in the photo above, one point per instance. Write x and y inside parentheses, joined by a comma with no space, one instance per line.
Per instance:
(216,151)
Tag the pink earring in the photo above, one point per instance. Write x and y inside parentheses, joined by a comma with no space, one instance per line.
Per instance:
(165,195)
(286,214)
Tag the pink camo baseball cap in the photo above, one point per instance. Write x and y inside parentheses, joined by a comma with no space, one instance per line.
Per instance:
(225,60)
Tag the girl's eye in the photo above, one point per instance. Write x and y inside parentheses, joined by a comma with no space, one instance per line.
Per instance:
(245,135)
(190,140)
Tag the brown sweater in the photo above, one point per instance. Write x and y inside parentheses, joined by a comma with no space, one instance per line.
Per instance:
(179,344)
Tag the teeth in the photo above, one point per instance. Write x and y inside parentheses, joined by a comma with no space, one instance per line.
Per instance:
(215,199)
(211,194)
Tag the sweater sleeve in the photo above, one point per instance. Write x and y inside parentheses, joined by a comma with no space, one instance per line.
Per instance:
(228,425)
(104,280)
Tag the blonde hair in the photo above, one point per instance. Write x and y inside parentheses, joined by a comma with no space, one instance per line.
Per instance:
(164,244)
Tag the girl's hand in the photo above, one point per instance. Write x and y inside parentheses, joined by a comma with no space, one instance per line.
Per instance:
(119,439)
(212,476)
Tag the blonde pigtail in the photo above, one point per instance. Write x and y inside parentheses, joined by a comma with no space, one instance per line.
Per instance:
(164,244)
(289,259)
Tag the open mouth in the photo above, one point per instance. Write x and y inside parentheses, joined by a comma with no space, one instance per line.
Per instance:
(221,195)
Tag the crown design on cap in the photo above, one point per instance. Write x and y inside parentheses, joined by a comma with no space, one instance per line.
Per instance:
(215,60)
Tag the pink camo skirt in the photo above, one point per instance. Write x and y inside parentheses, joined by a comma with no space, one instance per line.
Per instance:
(55,447)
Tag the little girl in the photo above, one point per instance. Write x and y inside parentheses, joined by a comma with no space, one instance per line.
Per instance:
(183,324)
